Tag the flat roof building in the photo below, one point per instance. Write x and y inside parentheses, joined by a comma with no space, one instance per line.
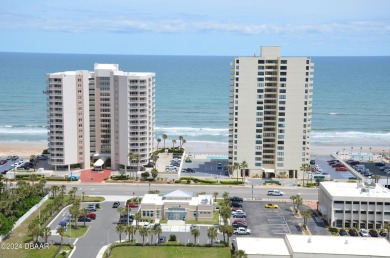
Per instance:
(297,246)
(178,205)
(107,113)
(270,113)
(356,205)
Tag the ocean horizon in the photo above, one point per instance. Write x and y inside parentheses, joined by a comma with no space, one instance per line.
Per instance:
(350,100)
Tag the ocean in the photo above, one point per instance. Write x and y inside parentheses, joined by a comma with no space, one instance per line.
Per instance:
(350,101)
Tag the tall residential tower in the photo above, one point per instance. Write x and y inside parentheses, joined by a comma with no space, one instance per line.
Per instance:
(270,113)
(107,113)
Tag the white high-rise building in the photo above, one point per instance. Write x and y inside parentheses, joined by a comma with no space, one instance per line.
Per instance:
(270,113)
(107,113)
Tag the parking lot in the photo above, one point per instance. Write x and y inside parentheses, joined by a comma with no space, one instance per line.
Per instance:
(276,223)
(207,168)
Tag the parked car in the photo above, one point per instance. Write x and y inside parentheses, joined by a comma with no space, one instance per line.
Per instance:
(338,165)
(364,232)
(91,207)
(312,162)
(89,215)
(239,225)
(240,215)
(380,164)
(242,231)
(236,199)
(194,226)
(373,233)
(124,219)
(156,226)
(271,206)
(84,219)
(116,204)
(131,205)
(219,166)
(352,177)
(237,211)
(343,232)
(342,169)
(353,232)
(240,221)
(383,233)
(236,204)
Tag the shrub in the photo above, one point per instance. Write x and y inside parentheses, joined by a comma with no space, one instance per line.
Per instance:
(172,238)
(230,182)
(97,205)
(145,174)
(333,230)
(190,244)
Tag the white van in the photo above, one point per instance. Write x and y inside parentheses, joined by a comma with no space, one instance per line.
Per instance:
(275,193)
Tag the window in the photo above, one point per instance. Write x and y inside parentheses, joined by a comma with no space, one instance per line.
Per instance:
(260,61)
(283,79)
(258,164)
(283,61)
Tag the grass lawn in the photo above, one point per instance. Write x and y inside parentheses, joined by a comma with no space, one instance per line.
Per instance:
(170,251)
(79,232)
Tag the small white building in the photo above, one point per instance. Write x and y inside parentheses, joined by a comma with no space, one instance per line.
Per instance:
(178,205)
(357,205)
(297,246)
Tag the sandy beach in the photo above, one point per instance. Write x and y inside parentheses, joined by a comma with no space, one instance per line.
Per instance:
(26,149)
(22,149)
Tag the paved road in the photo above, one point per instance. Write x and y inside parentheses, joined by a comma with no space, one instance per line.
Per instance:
(127,189)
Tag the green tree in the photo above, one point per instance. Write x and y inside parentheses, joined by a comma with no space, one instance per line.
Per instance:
(143,232)
(137,217)
(181,138)
(173,143)
(305,214)
(298,201)
(154,173)
(293,198)
(212,233)
(84,212)
(195,233)
(243,166)
(152,233)
(32,178)
(46,233)
(61,231)
(229,232)
(215,196)
(158,142)
(131,230)
(158,231)
(164,136)
(239,254)
(75,211)
(120,228)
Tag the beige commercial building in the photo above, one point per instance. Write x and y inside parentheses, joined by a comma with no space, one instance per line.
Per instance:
(178,205)
(355,205)
(270,113)
(106,113)
(297,246)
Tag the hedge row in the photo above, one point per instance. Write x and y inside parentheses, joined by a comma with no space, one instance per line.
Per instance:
(230,182)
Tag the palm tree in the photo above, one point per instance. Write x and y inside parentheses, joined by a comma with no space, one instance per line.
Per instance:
(131,230)
(134,156)
(212,233)
(239,254)
(181,138)
(74,189)
(298,201)
(32,178)
(54,189)
(305,214)
(61,231)
(155,158)
(164,136)
(304,168)
(376,178)
(137,217)
(120,228)
(182,143)
(230,169)
(243,166)
(143,232)
(173,143)
(293,198)
(215,196)
(158,231)
(84,211)
(226,212)
(195,233)
(223,230)
(236,166)
(229,232)
(158,142)
(152,233)
(62,188)
(46,233)
(75,211)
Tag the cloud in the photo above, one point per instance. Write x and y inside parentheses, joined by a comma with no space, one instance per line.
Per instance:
(180,25)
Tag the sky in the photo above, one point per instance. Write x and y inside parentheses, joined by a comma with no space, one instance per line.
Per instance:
(201,27)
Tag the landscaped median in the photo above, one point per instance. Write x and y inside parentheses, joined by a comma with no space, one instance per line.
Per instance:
(204,181)
(169,251)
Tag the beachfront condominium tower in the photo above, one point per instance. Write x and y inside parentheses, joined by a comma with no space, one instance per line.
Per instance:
(102,115)
(270,114)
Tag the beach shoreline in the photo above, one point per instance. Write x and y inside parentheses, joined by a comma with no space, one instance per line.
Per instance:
(26,149)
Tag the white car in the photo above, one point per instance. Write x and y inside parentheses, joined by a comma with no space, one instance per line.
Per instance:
(242,231)
(364,232)
(237,211)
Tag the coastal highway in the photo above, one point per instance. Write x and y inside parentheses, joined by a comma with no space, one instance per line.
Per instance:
(128,189)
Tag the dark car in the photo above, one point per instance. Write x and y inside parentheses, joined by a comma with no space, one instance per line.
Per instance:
(353,232)
(383,233)
(343,232)
(84,219)
(236,199)
(312,162)
(373,233)
(236,205)
(156,226)
(116,204)
(352,177)
(124,219)
(240,225)
(162,239)
(219,165)
(190,170)
(380,164)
